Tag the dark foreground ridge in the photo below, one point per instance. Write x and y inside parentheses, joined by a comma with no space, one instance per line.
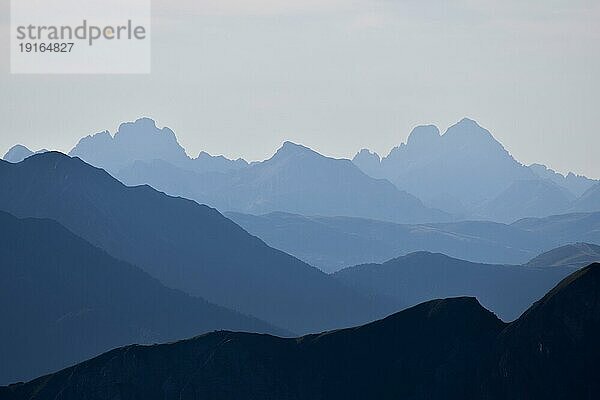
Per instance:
(450,349)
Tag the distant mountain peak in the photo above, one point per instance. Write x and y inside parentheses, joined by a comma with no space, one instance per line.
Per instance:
(289,148)
(18,153)
(289,145)
(368,153)
(143,128)
(369,162)
(140,140)
(468,121)
(469,129)
(423,135)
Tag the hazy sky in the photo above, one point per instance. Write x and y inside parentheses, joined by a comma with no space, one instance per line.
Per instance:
(239,77)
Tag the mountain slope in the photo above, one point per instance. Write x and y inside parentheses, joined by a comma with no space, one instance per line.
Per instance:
(63,300)
(185,245)
(566,228)
(552,350)
(574,255)
(531,198)
(589,201)
(358,363)
(442,349)
(296,180)
(422,276)
(332,243)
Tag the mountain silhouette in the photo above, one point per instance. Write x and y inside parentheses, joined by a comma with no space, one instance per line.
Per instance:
(296,180)
(18,153)
(442,349)
(468,173)
(63,300)
(465,172)
(423,276)
(574,255)
(466,163)
(142,140)
(185,245)
(332,243)
(556,332)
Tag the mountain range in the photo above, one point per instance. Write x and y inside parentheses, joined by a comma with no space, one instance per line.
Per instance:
(463,174)
(573,255)
(332,243)
(296,179)
(63,300)
(467,172)
(118,244)
(142,140)
(184,245)
(452,349)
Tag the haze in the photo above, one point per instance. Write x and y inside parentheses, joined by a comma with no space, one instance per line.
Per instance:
(239,77)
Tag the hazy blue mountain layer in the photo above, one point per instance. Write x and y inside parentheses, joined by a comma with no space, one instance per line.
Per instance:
(467,172)
(576,184)
(63,300)
(332,243)
(422,276)
(589,200)
(296,179)
(185,245)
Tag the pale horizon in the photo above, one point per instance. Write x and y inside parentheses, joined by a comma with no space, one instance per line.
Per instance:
(239,78)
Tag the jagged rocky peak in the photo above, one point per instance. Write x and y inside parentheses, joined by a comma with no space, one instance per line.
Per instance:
(366,158)
(206,162)
(142,128)
(369,162)
(366,154)
(140,140)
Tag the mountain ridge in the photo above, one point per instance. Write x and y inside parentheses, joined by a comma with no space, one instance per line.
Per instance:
(185,245)
(332,243)
(295,179)
(450,348)
(420,276)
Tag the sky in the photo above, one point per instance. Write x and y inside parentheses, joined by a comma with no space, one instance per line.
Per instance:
(240,77)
